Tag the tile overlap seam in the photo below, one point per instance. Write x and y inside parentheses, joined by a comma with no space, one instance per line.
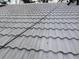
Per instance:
(26,29)
(38,50)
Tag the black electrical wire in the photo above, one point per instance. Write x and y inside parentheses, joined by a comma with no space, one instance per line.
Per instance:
(27,28)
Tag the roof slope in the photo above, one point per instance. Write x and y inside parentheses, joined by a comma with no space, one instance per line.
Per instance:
(39,31)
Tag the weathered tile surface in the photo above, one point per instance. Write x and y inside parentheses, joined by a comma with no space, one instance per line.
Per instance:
(39,31)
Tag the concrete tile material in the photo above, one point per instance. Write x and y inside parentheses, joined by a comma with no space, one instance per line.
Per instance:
(23,54)
(4,39)
(9,31)
(57,25)
(56,33)
(56,36)
(49,44)
(18,20)
(16,25)
(60,20)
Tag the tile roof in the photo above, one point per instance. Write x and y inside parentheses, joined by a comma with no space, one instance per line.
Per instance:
(10,53)
(39,31)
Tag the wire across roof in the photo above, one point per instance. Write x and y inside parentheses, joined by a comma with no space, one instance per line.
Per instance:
(39,31)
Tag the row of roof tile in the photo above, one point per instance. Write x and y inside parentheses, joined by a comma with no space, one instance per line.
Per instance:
(9,53)
(48,45)
(39,42)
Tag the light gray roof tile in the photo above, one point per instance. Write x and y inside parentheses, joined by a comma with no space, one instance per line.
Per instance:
(54,37)
(18,20)
(59,20)
(60,14)
(55,45)
(20,17)
(16,31)
(6,31)
(53,33)
(4,39)
(4,52)
(23,54)
(60,17)
(10,31)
